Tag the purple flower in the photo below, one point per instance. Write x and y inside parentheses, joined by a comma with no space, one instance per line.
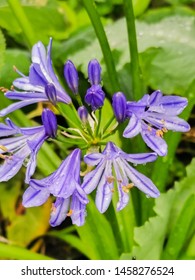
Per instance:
(154,115)
(23,144)
(95,97)
(83,113)
(64,184)
(119,106)
(35,86)
(94,72)
(103,177)
(71,76)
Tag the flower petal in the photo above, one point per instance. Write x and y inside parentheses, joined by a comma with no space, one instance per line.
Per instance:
(170,122)
(156,143)
(142,182)
(60,210)
(18,105)
(133,128)
(93,159)
(104,190)
(78,211)
(92,179)
(139,158)
(174,105)
(33,197)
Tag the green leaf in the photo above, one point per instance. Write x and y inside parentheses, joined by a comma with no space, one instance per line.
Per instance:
(179,232)
(97,236)
(174,209)
(176,47)
(2,50)
(150,237)
(32,224)
(44,25)
(18,253)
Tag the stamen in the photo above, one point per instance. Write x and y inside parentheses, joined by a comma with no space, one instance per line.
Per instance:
(149,128)
(69,213)
(3,89)
(164,129)
(159,133)
(127,188)
(110,179)
(53,208)
(17,71)
(3,148)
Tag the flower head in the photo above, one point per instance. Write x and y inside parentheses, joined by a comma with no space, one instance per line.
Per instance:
(94,72)
(64,184)
(125,176)
(119,106)
(71,76)
(34,87)
(154,115)
(95,97)
(20,144)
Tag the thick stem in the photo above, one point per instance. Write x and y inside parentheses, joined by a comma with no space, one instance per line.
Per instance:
(103,41)
(23,21)
(137,80)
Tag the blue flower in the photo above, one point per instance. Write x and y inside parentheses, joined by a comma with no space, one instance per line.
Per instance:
(23,144)
(64,184)
(95,95)
(112,166)
(71,76)
(119,106)
(34,86)
(154,115)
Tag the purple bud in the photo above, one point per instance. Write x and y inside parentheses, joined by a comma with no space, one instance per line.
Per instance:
(71,76)
(83,113)
(95,97)
(50,92)
(94,72)
(50,123)
(119,106)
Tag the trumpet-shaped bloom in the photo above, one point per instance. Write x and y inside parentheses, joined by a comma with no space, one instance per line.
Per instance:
(21,145)
(35,86)
(64,184)
(154,115)
(103,177)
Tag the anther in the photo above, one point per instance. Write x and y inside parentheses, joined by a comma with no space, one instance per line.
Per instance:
(69,213)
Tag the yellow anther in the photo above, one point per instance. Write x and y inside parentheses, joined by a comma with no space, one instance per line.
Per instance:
(164,129)
(3,148)
(127,187)
(163,121)
(159,133)
(69,213)
(110,179)
(3,89)
(53,208)
(149,128)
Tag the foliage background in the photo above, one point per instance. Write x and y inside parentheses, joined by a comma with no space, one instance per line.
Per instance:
(146,229)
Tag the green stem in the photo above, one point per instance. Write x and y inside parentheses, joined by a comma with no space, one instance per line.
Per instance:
(108,124)
(103,41)
(23,21)
(18,253)
(99,122)
(137,80)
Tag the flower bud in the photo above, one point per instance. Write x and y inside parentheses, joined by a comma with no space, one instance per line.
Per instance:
(94,72)
(119,106)
(50,123)
(95,97)
(50,92)
(71,76)
(83,113)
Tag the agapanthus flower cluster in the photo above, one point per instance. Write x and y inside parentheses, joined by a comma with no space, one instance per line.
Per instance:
(107,168)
